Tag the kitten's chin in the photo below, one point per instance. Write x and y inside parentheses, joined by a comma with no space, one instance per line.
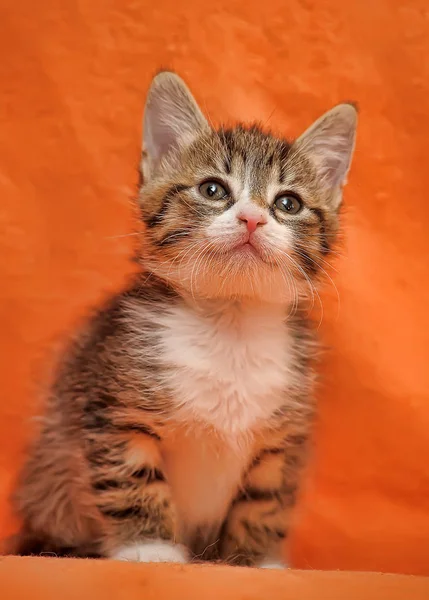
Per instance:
(241,280)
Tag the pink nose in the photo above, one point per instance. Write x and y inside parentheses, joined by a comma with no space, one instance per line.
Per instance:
(252,221)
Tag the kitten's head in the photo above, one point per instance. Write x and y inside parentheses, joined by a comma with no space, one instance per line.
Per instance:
(238,213)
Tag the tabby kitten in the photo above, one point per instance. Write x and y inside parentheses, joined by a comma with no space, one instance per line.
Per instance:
(176,425)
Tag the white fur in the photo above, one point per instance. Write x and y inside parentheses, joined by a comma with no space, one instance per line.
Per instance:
(230,364)
(152,551)
(229,367)
(268,564)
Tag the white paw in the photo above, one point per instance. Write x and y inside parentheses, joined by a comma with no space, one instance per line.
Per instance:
(152,551)
(271,564)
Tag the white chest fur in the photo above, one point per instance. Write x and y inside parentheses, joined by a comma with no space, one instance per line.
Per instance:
(229,366)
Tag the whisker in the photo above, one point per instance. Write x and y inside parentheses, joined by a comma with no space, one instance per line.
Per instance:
(123,235)
(312,287)
(178,234)
(304,255)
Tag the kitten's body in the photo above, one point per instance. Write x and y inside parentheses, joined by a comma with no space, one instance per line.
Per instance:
(218,375)
(181,412)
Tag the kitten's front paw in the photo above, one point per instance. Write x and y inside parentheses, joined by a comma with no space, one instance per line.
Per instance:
(152,551)
(271,564)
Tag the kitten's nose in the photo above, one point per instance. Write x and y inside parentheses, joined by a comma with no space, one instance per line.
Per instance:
(252,220)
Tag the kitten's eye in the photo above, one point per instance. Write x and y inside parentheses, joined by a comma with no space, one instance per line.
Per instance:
(288,203)
(212,190)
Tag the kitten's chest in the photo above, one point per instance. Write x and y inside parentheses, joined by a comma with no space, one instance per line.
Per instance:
(204,471)
(229,369)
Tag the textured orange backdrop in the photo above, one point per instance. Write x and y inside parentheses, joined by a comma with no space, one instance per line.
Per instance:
(72,80)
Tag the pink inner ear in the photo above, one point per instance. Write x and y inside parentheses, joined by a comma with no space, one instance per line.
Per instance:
(333,155)
(329,143)
(171,116)
(159,137)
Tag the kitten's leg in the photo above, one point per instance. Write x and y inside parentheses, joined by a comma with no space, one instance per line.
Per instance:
(133,497)
(259,518)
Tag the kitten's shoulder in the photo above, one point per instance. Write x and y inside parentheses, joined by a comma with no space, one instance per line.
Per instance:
(112,319)
(103,339)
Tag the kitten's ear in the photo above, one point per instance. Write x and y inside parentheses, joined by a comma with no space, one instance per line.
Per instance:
(171,118)
(329,144)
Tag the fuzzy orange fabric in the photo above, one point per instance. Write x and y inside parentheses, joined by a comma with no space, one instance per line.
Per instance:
(44,578)
(73,78)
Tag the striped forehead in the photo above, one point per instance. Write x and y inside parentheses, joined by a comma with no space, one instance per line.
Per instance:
(254,160)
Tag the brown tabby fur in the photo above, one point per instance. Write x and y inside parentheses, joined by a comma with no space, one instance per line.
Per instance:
(95,479)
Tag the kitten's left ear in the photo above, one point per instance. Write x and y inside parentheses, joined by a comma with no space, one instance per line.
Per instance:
(172,119)
(329,144)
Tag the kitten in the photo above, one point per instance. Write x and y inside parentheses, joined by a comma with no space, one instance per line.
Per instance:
(177,422)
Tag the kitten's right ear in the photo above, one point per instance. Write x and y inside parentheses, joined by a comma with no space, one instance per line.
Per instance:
(172,118)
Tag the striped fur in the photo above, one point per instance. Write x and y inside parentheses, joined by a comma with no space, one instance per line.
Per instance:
(177,422)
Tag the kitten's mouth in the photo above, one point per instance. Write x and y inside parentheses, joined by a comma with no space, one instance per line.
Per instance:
(247,247)
(243,249)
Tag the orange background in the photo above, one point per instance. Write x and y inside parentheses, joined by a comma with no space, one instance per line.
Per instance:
(73,76)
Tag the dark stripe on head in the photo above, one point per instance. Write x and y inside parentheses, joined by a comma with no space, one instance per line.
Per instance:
(325,247)
(173,237)
(243,155)
(319,214)
(226,137)
(159,216)
(324,244)
(309,264)
(283,154)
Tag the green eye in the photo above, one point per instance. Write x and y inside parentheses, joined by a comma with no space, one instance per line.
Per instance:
(212,190)
(288,204)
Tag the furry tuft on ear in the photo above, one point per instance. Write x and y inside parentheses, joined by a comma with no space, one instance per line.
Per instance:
(171,118)
(329,144)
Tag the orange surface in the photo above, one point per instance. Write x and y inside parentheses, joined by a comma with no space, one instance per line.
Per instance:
(73,76)
(43,579)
